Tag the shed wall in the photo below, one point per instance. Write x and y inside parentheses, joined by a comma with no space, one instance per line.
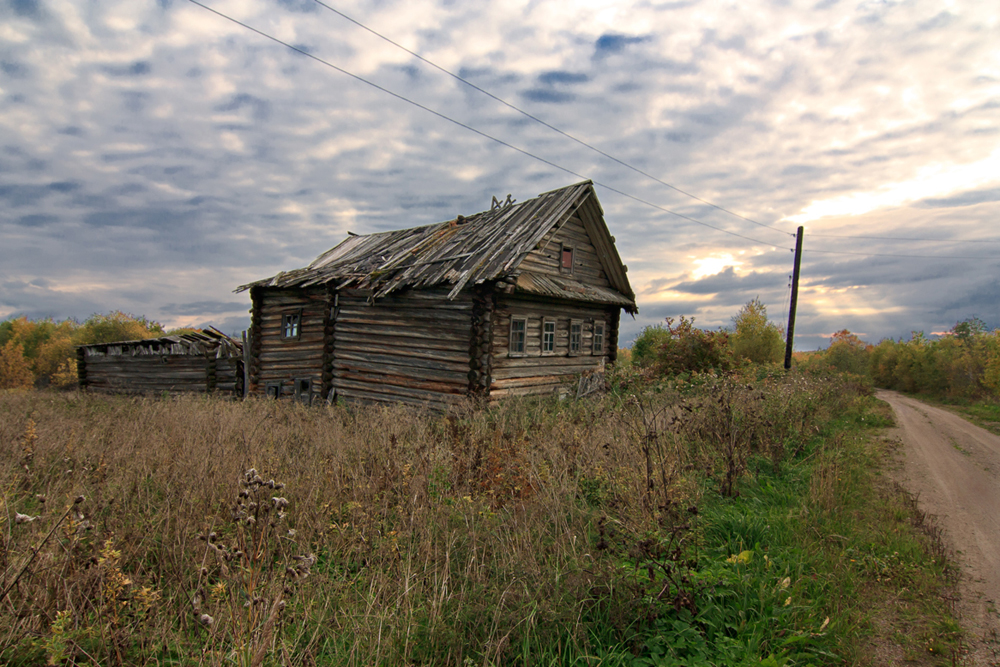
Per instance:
(147,374)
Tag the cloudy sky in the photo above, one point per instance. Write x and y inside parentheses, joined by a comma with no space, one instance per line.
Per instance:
(155,155)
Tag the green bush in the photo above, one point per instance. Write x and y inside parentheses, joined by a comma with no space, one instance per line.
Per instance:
(648,343)
(755,338)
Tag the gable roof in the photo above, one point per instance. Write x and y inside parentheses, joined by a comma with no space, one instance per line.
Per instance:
(469,251)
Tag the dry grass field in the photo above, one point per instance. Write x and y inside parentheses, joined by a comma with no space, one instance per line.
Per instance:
(192,530)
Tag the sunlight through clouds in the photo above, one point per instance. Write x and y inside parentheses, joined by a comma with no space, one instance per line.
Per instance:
(931,181)
(149,144)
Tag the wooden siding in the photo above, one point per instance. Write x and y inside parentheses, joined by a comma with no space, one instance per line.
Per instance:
(535,372)
(281,361)
(410,347)
(229,376)
(147,374)
(586,264)
(192,362)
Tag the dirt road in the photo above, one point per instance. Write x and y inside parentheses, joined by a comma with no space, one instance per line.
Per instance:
(954,468)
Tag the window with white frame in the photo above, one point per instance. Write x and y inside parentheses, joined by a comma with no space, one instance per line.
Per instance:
(575,337)
(598,338)
(548,336)
(518,331)
(291,325)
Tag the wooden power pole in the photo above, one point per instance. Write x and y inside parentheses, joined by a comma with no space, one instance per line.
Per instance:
(795,299)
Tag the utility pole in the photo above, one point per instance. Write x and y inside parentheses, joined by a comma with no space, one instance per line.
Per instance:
(795,298)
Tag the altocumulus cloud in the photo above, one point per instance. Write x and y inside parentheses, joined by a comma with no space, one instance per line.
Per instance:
(155,156)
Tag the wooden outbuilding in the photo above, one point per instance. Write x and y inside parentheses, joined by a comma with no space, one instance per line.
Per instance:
(204,361)
(511,301)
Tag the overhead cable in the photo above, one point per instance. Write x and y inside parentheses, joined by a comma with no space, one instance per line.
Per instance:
(542,122)
(899,238)
(470,128)
(876,254)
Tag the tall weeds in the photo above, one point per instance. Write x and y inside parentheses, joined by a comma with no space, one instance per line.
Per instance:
(391,536)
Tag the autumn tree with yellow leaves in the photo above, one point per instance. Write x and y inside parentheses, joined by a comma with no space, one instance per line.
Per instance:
(39,353)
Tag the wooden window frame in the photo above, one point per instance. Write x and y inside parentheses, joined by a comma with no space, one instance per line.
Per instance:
(511,351)
(286,319)
(562,259)
(597,342)
(272,390)
(579,340)
(549,336)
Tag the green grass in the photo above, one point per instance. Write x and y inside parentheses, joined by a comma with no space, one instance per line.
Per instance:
(814,563)
(983,412)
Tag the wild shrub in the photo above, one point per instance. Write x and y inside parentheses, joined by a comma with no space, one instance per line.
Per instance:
(754,337)
(15,371)
(647,344)
(687,349)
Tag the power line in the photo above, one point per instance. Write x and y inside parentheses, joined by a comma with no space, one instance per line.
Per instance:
(472,129)
(899,238)
(875,254)
(542,122)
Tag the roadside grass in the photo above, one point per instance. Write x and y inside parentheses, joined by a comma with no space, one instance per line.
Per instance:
(823,561)
(709,521)
(984,413)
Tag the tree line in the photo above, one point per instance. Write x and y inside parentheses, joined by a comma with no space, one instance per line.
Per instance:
(963,362)
(42,353)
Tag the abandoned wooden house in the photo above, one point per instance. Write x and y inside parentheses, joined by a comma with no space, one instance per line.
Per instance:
(511,301)
(205,361)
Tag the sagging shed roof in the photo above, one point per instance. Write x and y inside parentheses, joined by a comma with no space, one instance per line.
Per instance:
(209,341)
(469,251)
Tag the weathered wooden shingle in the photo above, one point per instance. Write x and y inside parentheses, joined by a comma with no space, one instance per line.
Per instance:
(467,251)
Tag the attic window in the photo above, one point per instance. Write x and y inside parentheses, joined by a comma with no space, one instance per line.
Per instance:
(291,325)
(566,264)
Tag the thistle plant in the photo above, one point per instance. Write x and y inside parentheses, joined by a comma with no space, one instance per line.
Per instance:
(248,570)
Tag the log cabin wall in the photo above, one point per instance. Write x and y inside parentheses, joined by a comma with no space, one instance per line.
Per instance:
(118,372)
(548,258)
(229,375)
(410,347)
(287,359)
(536,371)
(160,365)
(480,343)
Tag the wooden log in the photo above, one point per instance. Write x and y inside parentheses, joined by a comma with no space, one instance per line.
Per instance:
(403,349)
(533,390)
(418,363)
(392,393)
(400,375)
